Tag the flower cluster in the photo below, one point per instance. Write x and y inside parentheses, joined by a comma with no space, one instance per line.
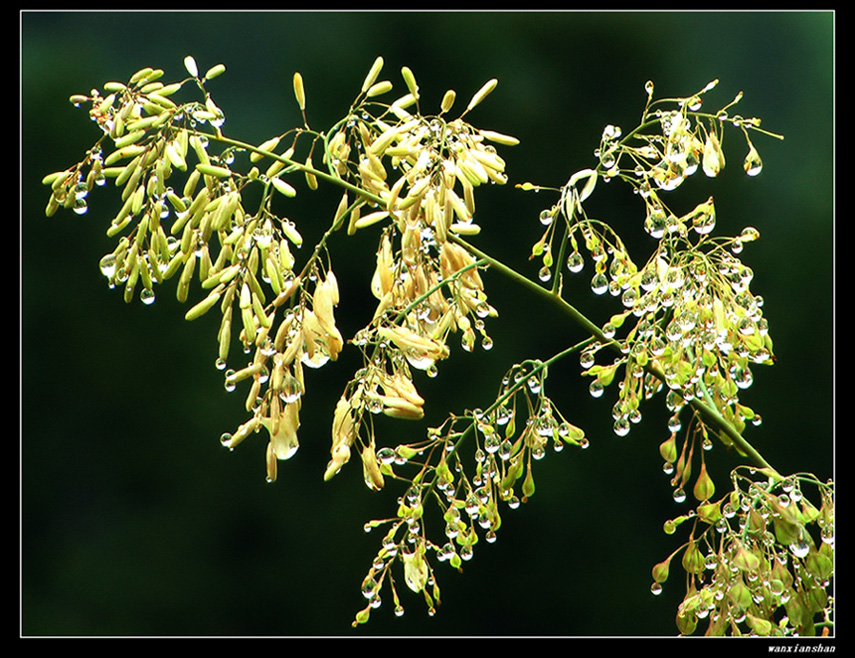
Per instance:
(689,320)
(420,173)
(416,174)
(759,561)
(508,436)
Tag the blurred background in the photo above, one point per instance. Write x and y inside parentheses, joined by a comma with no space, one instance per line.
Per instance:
(135,521)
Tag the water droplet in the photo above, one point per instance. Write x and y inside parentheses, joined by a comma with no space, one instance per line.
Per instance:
(386,455)
(749,234)
(547,216)
(800,548)
(599,284)
(753,165)
(108,265)
(291,390)
(608,158)
(147,296)
(492,443)
(596,389)
(743,377)
(655,222)
(679,495)
(674,424)
(586,359)
(656,589)
(621,426)
(544,274)
(230,384)
(575,262)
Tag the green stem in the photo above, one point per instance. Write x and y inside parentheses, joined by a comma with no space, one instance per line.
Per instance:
(334,180)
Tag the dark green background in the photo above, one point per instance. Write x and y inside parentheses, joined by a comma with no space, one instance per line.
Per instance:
(135,521)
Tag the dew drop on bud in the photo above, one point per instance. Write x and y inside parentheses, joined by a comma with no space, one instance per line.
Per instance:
(575,262)
(800,548)
(599,284)
(108,265)
(753,165)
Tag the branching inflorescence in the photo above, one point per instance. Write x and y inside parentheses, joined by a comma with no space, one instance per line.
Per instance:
(758,560)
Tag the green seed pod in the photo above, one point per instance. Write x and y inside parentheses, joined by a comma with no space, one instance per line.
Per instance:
(660,571)
(499,138)
(199,148)
(704,487)
(372,74)
(268,145)
(410,81)
(224,337)
(143,76)
(145,272)
(760,626)
(745,560)
(528,484)
(151,87)
(299,91)
(482,93)
(215,71)
(174,155)
(693,559)
(283,188)
(710,513)
(190,65)
(379,89)
(186,277)
(739,595)
(129,151)
(214,170)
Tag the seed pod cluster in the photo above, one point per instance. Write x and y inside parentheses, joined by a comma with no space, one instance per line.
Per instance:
(759,559)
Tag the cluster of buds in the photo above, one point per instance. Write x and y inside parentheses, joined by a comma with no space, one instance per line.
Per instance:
(759,560)
(306,336)
(510,435)
(423,171)
(700,331)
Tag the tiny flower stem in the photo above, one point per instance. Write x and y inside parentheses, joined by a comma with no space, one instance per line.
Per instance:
(562,254)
